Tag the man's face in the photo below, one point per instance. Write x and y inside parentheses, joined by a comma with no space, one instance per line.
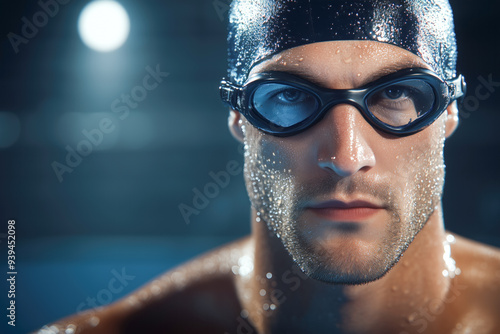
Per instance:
(345,199)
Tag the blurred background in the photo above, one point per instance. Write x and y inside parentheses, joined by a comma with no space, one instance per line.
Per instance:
(147,144)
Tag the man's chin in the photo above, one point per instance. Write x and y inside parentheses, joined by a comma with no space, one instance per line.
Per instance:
(344,262)
(335,276)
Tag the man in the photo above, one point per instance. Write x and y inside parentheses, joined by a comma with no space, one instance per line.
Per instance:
(344,108)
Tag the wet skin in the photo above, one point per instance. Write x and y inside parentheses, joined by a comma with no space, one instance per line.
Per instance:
(392,187)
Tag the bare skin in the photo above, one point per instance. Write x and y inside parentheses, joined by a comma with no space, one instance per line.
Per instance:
(442,284)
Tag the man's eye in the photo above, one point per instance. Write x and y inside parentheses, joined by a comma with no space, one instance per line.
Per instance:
(395,92)
(290,96)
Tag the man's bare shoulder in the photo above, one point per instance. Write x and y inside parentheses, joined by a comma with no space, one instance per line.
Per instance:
(198,296)
(479,281)
(478,262)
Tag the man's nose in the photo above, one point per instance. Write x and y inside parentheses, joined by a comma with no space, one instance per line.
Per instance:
(344,148)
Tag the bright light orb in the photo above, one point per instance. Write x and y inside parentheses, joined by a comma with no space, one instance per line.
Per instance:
(104,25)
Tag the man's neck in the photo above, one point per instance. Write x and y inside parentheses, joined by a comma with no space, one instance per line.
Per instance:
(278,296)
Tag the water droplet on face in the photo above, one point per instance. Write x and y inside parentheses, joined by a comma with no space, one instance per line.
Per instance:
(269,275)
(143,295)
(235,269)
(70,330)
(244,314)
(51,330)
(265,307)
(94,321)
(411,318)
(262,292)
(132,300)
(155,290)
(272,307)
(177,277)
(394,288)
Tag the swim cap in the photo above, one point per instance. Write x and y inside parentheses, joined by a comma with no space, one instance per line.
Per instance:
(259,29)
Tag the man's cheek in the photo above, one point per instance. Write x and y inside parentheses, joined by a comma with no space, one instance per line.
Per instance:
(273,160)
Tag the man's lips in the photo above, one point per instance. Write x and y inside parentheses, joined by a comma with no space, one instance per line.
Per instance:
(340,211)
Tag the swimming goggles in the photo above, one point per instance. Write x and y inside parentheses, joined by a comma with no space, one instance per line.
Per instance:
(401,103)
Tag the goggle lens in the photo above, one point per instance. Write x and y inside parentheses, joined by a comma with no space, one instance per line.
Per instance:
(284,105)
(401,103)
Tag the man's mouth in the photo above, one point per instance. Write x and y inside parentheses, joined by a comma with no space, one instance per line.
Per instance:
(340,211)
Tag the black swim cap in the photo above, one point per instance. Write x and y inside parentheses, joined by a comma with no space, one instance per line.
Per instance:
(259,29)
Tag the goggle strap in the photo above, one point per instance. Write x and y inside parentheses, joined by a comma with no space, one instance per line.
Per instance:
(230,95)
(459,88)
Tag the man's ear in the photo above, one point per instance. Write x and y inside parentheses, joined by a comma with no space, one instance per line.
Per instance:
(452,119)
(234,124)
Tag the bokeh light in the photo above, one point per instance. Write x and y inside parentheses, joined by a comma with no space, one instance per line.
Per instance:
(104,25)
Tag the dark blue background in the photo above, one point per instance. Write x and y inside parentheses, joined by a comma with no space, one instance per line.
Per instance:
(119,208)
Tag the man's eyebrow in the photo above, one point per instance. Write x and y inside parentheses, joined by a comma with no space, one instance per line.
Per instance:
(392,68)
(305,74)
(379,73)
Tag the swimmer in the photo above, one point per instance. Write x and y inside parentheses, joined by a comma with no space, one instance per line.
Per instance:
(343,108)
